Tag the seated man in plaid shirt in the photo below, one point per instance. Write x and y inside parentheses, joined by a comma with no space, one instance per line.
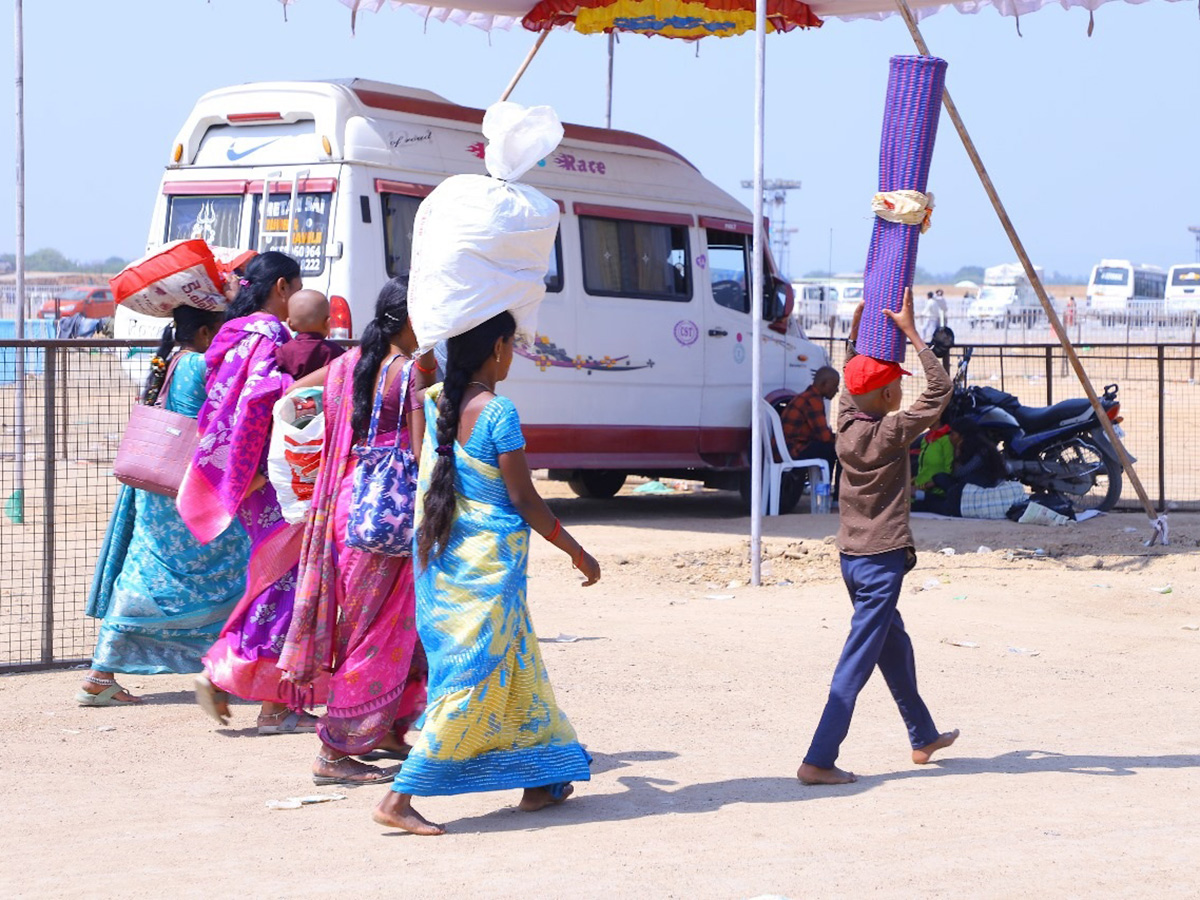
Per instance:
(805,427)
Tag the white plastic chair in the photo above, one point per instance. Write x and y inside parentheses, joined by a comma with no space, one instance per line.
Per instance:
(773,439)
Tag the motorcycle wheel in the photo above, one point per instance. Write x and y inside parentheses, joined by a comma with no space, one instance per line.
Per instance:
(1084,453)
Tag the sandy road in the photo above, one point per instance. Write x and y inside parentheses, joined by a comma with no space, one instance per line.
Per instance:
(1076,774)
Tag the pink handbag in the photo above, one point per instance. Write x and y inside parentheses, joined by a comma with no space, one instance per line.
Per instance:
(158,445)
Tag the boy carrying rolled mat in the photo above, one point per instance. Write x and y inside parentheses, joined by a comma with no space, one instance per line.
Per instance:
(876,543)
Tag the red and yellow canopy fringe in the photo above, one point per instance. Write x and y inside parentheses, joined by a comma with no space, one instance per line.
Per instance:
(688,19)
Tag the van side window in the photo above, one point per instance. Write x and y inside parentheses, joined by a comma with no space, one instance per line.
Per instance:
(728,270)
(216,219)
(399,212)
(635,259)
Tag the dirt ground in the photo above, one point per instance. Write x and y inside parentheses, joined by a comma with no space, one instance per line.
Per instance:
(1075,683)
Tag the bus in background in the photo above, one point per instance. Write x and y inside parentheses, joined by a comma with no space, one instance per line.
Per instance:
(1119,291)
(1183,290)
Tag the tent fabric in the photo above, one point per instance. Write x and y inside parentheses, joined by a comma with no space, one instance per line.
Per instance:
(504,14)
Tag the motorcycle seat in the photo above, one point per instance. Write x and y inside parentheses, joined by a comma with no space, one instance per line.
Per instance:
(1043,418)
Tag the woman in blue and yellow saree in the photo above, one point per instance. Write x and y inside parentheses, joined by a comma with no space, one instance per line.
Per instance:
(491,722)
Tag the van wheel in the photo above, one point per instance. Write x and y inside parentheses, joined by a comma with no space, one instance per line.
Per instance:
(792,487)
(596,484)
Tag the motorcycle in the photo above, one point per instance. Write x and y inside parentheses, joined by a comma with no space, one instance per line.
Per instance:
(1060,448)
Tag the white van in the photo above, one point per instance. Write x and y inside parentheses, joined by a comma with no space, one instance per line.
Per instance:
(1119,291)
(1006,297)
(642,361)
(1183,290)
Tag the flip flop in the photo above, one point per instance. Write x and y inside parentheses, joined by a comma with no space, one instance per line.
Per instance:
(210,698)
(381,754)
(107,697)
(291,724)
(379,776)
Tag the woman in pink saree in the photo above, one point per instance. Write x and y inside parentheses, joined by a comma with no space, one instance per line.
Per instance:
(227,479)
(355,611)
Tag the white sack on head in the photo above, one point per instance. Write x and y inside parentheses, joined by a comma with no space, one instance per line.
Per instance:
(482,245)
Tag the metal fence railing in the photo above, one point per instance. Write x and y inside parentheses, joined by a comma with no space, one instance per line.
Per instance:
(1159,395)
(77,397)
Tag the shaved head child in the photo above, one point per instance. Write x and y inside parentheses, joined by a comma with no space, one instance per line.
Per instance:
(309,349)
(876,544)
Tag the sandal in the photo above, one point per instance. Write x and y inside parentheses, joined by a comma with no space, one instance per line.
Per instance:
(107,697)
(365,775)
(212,700)
(291,723)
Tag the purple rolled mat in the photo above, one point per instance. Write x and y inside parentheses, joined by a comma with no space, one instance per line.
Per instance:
(910,118)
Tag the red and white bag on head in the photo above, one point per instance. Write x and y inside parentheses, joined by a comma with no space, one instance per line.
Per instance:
(183,273)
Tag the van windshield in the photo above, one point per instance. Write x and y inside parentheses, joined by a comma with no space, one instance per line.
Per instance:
(309,227)
(1189,277)
(214,218)
(1111,275)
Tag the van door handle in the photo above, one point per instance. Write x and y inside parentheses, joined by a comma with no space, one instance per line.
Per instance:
(717,332)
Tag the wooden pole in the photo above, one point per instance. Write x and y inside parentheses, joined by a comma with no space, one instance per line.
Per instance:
(1039,289)
(537,45)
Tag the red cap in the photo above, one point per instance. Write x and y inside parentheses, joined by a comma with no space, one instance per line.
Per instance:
(865,374)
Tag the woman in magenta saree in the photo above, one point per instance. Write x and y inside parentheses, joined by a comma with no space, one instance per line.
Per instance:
(226,479)
(355,611)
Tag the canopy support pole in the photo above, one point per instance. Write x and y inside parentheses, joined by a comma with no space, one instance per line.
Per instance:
(537,45)
(756,294)
(612,39)
(16,506)
(1157,521)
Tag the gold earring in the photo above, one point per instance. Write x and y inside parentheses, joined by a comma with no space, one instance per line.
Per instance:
(497,359)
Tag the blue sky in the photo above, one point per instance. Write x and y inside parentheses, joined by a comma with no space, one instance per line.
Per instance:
(1091,141)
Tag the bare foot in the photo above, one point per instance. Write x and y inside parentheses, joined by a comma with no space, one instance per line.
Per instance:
(396,811)
(922,755)
(810,774)
(539,798)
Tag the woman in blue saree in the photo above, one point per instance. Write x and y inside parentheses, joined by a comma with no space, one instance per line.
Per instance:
(491,722)
(161,596)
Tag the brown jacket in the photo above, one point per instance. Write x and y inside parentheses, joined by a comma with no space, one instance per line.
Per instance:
(875,487)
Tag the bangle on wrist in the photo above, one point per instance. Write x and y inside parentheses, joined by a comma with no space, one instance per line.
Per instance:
(425,371)
(554,532)
(577,559)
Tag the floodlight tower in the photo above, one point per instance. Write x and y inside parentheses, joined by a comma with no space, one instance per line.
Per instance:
(1194,229)
(775,196)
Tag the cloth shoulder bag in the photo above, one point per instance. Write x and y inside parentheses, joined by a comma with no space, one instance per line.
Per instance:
(385,484)
(158,445)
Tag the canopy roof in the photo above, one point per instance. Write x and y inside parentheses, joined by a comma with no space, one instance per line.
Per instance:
(488,14)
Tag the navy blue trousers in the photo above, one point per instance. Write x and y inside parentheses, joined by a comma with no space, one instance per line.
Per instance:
(877,638)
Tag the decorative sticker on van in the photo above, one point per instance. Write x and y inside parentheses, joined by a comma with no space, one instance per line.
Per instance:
(545,354)
(479,148)
(739,353)
(399,139)
(572,163)
(687,332)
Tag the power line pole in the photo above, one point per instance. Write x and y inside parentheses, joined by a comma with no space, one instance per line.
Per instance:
(775,195)
(1195,229)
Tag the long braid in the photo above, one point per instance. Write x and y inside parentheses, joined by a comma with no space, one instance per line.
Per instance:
(158,366)
(440,498)
(466,354)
